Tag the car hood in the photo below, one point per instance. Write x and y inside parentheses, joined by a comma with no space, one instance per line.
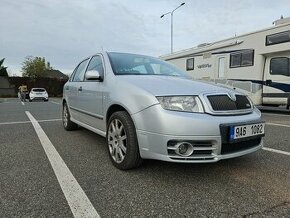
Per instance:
(169,85)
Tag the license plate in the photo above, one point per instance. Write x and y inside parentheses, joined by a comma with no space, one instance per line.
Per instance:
(244,131)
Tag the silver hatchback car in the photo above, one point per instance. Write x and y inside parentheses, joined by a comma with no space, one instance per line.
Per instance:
(148,109)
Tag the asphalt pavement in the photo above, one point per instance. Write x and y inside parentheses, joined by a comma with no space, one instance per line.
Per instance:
(255,185)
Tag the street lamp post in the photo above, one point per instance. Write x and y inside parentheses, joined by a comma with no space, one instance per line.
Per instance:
(171,13)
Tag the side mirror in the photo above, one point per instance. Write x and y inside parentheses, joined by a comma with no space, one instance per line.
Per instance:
(93,75)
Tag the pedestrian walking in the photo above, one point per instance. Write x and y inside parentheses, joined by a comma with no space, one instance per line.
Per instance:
(23,90)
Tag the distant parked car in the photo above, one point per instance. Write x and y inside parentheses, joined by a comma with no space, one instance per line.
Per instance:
(38,94)
(148,109)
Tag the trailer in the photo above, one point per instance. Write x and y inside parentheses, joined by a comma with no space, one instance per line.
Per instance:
(256,63)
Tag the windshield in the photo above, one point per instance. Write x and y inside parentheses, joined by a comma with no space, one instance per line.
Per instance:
(133,64)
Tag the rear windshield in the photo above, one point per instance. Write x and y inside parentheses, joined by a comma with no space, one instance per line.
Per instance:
(133,64)
(38,90)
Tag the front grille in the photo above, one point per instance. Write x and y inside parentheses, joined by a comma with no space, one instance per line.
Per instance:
(228,148)
(224,103)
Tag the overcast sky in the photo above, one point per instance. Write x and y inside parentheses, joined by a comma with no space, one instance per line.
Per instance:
(64,32)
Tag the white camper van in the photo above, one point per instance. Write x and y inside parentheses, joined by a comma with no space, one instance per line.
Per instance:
(256,63)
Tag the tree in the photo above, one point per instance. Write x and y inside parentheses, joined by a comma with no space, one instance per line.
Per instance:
(3,70)
(34,66)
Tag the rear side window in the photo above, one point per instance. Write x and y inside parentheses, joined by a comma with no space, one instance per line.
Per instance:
(280,66)
(80,71)
(242,58)
(190,64)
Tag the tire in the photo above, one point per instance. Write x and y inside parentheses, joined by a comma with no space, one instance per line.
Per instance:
(30,100)
(122,141)
(67,123)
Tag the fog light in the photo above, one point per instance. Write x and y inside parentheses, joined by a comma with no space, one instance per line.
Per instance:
(184,149)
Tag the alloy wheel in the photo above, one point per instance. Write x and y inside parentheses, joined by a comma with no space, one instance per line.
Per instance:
(65,116)
(117,141)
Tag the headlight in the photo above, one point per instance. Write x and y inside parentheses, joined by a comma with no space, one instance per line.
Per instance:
(181,103)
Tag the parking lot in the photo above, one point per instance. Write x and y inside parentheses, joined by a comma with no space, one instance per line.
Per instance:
(49,172)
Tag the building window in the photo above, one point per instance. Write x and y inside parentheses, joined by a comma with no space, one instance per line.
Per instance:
(280,66)
(190,64)
(278,38)
(242,58)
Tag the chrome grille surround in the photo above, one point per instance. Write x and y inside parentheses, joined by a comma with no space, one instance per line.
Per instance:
(226,103)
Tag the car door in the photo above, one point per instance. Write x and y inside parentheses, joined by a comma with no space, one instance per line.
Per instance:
(91,96)
(276,89)
(221,67)
(74,89)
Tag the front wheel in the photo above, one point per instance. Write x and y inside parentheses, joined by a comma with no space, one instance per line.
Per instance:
(122,141)
(67,123)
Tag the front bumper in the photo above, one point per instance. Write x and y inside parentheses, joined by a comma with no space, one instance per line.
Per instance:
(38,97)
(158,129)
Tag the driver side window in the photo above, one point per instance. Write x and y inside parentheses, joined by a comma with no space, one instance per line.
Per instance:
(96,63)
(80,72)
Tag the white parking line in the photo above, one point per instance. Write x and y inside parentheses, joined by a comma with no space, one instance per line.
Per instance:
(22,103)
(276,151)
(276,115)
(78,201)
(51,120)
(20,122)
(278,124)
(5,101)
(54,102)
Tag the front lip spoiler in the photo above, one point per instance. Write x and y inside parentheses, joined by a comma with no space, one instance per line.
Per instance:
(216,158)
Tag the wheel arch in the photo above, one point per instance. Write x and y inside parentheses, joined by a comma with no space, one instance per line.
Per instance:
(114,108)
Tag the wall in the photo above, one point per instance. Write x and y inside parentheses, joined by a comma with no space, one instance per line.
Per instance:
(6,90)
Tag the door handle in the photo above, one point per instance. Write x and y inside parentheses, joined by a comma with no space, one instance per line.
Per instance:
(80,89)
